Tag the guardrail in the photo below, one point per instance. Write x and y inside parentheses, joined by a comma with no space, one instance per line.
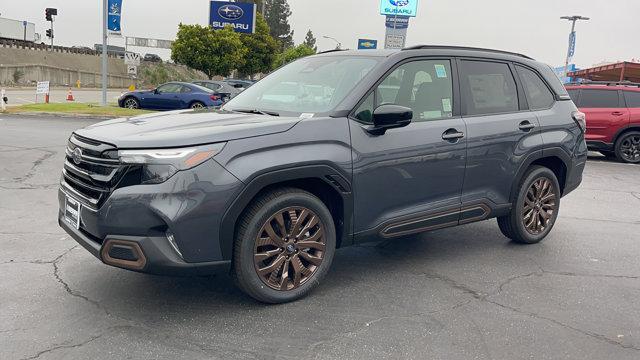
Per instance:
(20,44)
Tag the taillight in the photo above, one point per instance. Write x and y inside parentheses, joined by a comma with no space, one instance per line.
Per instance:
(581,119)
(215,97)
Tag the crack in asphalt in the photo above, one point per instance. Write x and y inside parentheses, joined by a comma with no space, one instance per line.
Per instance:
(484,297)
(540,272)
(77,345)
(67,288)
(637,195)
(602,220)
(47,154)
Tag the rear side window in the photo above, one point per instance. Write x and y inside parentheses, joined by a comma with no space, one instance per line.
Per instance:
(538,94)
(599,98)
(574,95)
(488,88)
(632,98)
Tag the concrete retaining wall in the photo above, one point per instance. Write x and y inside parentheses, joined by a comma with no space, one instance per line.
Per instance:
(60,67)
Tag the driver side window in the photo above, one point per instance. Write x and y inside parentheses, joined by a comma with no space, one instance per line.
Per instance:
(425,86)
(169,88)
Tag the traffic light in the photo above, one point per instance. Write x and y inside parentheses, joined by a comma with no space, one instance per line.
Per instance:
(49,33)
(49,13)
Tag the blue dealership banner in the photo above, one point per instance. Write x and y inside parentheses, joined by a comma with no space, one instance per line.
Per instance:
(113,17)
(240,16)
(399,7)
(367,44)
(572,45)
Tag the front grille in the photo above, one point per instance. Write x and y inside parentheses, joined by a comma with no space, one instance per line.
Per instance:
(94,174)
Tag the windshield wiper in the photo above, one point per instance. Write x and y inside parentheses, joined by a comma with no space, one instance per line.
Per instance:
(256,111)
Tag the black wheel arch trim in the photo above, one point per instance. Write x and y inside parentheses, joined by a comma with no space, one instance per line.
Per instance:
(331,176)
(630,127)
(537,155)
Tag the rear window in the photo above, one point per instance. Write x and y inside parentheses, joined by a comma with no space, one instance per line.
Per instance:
(538,94)
(599,98)
(574,95)
(632,98)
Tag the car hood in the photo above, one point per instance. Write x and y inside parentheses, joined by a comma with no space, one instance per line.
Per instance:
(184,128)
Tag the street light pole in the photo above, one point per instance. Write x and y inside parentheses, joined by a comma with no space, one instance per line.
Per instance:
(338,44)
(105,14)
(573,20)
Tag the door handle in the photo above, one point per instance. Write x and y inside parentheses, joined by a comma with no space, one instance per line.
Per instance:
(617,113)
(452,135)
(526,125)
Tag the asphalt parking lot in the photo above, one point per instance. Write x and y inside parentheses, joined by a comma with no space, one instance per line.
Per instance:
(461,293)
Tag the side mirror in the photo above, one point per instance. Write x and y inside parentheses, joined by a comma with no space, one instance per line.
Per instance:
(155,91)
(389,117)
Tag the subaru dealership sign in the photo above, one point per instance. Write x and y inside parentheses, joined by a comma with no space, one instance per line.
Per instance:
(113,17)
(399,7)
(240,16)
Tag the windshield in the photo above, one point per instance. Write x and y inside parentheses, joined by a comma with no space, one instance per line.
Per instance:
(309,85)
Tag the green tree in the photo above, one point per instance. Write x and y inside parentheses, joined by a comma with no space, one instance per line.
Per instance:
(310,40)
(277,17)
(292,54)
(214,52)
(262,49)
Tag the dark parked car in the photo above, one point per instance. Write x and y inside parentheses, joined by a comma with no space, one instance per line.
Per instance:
(226,91)
(613,118)
(152,58)
(329,151)
(170,96)
(239,84)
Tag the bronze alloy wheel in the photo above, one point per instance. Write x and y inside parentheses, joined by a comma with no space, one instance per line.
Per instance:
(630,148)
(539,206)
(289,248)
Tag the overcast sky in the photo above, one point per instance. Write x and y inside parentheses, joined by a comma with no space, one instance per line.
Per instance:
(532,27)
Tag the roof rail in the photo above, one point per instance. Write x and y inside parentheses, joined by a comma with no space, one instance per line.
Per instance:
(608,83)
(447,47)
(330,51)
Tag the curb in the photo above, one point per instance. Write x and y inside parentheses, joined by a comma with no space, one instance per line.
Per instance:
(60,115)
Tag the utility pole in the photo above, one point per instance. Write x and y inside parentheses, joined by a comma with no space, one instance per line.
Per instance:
(105,14)
(572,38)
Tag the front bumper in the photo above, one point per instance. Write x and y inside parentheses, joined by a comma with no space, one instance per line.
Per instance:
(139,218)
(157,255)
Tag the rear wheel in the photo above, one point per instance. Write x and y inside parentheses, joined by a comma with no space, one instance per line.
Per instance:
(197,105)
(535,210)
(131,103)
(628,147)
(284,246)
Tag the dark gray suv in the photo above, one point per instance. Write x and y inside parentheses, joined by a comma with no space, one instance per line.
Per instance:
(329,151)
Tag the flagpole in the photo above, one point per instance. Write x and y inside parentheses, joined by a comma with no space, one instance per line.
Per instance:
(105,12)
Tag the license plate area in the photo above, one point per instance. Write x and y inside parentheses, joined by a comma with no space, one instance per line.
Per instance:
(72,212)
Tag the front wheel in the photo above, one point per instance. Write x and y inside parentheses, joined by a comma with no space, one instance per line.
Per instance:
(131,103)
(628,147)
(284,246)
(535,210)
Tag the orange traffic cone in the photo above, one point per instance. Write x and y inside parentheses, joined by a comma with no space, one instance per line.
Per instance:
(70,96)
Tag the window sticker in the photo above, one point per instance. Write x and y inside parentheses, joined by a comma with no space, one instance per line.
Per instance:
(441,71)
(446,105)
(306,116)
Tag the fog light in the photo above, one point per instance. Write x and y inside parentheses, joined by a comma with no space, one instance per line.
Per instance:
(172,241)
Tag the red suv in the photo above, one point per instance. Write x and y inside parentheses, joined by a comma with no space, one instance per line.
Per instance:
(613,118)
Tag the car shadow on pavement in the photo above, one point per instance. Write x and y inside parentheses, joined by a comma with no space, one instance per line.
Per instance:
(375,264)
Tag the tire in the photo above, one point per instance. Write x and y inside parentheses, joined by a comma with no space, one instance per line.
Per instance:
(539,187)
(131,103)
(197,105)
(628,147)
(305,265)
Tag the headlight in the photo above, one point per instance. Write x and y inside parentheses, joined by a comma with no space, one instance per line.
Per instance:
(158,165)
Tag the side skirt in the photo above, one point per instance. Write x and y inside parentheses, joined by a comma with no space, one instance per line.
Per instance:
(440,219)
